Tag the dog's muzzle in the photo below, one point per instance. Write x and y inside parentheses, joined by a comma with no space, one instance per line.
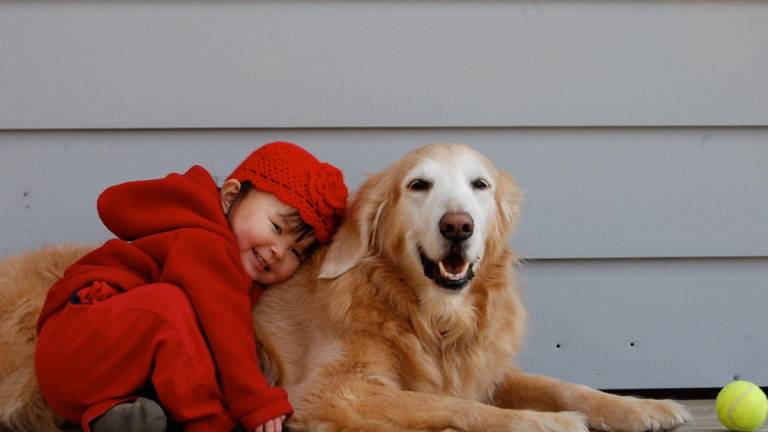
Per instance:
(453,272)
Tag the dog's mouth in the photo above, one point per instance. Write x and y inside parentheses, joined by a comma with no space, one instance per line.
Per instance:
(453,272)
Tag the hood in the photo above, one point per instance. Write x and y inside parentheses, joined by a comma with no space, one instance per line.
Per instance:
(140,208)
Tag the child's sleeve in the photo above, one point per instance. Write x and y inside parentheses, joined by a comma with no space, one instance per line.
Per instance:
(137,209)
(207,268)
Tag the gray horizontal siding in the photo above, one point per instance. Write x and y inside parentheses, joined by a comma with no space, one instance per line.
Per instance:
(605,193)
(647,323)
(170,64)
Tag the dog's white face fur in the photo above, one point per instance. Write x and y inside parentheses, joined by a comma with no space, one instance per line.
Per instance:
(402,214)
(459,183)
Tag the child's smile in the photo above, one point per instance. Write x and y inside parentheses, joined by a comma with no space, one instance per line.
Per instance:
(260,263)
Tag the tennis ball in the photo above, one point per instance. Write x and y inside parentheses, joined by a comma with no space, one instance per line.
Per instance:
(741,406)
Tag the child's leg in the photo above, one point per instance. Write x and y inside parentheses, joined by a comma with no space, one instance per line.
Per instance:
(92,357)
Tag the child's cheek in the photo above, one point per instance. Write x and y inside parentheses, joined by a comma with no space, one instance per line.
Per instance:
(288,270)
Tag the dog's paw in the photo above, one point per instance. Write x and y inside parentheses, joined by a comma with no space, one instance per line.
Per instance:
(565,421)
(628,414)
(570,421)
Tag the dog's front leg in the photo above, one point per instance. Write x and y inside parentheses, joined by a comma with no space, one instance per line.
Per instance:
(364,406)
(604,411)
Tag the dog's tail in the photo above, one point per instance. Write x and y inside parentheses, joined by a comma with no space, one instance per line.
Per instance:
(24,282)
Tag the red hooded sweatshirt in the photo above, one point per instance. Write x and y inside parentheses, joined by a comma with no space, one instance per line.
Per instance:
(173,230)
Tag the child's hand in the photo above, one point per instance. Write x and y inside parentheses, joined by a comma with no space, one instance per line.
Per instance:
(274,425)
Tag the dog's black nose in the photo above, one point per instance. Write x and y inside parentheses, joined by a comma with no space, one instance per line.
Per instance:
(457,226)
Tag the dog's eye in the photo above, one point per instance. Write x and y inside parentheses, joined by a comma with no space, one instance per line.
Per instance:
(480,184)
(419,185)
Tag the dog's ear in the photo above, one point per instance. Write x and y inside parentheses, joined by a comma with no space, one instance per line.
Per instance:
(510,198)
(357,233)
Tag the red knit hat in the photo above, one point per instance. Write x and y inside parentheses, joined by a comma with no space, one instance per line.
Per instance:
(316,189)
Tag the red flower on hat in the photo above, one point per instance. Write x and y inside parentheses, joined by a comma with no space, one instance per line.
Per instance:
(329,193)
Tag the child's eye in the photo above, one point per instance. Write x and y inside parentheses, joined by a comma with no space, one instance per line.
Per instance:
(277,228)
(297,253)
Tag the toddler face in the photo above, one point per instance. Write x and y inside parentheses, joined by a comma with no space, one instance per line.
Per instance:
(269,251)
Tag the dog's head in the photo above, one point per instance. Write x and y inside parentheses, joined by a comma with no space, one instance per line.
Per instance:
(437,214)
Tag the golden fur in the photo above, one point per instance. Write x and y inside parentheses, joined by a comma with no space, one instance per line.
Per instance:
(363,341)
(24,281)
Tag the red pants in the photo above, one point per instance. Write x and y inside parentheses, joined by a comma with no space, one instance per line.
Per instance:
(92,357)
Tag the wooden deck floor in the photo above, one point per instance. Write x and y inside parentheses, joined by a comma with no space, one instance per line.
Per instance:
(705,419)
(703,411)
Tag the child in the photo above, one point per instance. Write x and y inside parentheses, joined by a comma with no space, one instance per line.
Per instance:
(165,309)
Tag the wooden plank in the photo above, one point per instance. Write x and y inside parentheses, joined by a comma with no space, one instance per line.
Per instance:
(209,64)
(589,192)
(647,324)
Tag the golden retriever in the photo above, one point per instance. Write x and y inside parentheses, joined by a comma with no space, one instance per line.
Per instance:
(408,321)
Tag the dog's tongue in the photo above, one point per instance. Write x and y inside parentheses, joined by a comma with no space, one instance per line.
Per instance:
(454,266)
(454,263)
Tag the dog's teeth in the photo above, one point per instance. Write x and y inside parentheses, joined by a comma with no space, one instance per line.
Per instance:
(440,265)
(452,276)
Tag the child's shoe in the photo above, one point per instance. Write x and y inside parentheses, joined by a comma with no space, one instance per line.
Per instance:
(141,415)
